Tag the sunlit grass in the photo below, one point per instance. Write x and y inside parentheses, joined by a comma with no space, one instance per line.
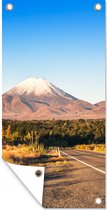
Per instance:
(28,155)
(91,147)
(21,151)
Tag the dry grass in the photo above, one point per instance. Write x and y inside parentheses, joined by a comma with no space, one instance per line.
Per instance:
(17,151)
(26,155)
(91,147)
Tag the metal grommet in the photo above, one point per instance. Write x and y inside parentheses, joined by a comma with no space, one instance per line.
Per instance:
(98,7)
(9,7)
(98,201)
(38,173)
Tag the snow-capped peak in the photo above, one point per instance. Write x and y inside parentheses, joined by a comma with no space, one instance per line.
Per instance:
(37,87)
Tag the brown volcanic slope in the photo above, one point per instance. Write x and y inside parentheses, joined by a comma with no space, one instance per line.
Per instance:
(36,98)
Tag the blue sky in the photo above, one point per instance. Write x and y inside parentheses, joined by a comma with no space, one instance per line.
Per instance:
(60,40)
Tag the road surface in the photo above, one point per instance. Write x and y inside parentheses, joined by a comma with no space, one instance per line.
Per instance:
(77,183)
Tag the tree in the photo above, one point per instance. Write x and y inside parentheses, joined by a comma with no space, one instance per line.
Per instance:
(15,135)
(55,132)
(28,136)
(37,138)
(8,132)
(15,138)
(3,133)
(3,136)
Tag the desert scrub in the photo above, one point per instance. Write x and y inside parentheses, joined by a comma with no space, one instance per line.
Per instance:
(100,148)
(91,147)
(41,149)
(81,147)
(21,151)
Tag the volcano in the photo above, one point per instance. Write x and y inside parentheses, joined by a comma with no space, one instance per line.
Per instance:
(38,99)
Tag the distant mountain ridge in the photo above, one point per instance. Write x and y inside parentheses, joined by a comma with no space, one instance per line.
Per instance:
(36,98)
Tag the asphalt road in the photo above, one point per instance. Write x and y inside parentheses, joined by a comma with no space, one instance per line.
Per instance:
(76,184)
(91,159)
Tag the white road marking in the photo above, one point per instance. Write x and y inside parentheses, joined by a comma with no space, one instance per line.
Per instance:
(84,163)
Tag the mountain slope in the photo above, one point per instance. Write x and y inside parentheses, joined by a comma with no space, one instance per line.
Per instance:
(36,98)
(38,87)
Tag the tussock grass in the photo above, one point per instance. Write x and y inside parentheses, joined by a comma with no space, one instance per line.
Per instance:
(21,151)
(27,155)
(91,147)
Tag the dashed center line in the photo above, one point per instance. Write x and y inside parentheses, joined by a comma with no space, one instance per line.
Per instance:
(97,169)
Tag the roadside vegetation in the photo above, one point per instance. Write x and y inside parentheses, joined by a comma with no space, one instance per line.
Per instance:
(91,147)
(54,133)
(27,155)
(32,142)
